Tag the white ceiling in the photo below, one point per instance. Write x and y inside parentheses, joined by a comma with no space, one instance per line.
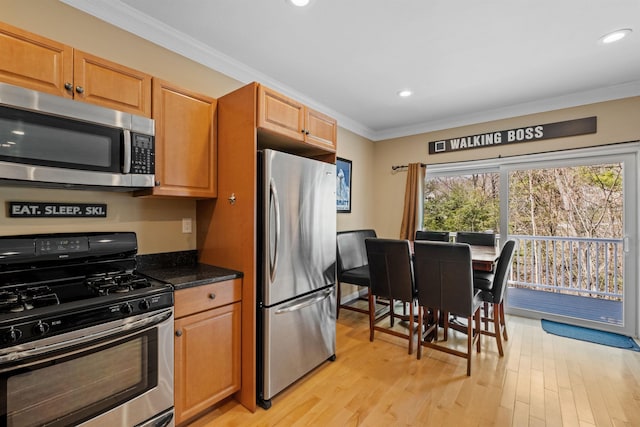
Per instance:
(466,61)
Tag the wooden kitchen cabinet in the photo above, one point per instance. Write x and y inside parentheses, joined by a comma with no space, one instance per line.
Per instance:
(280,116)
(185,142)
(207,346)
(45,65)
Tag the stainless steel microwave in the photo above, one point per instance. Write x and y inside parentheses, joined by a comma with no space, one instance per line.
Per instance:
(50,141)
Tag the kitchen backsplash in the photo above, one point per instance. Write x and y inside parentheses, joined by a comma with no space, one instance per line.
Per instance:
(167,260)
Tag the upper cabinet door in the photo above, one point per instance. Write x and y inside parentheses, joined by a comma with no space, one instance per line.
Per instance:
(38,63)
(279,114)
(320,129)
(35,62)
(185,142)
(105,83)
(283,119)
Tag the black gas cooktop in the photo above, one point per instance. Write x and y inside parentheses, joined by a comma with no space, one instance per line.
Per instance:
(55,283)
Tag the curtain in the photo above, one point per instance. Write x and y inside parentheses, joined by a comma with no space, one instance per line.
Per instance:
(413,201)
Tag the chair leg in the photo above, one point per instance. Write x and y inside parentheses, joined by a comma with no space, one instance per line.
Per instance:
(486,315)
(446,326)
(391,312)
(469,341)
(372,315)
(338,300)
(411,328)
(496,329)
(421,326)
(502,321)
(478,329)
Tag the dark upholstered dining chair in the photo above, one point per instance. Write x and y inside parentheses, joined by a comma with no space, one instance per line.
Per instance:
(391,270)
(476,239)
(492,287)
(353,267)
(444,283)
(436,236)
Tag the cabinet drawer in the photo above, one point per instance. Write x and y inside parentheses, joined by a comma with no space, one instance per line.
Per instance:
(205,297)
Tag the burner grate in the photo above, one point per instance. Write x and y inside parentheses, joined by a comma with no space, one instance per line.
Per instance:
(117,283)
(16,300)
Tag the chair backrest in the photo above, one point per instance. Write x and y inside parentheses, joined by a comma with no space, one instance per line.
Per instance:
(390,269)
(436,236)
(476,239)
(444,276)
(351,250)
(502,270)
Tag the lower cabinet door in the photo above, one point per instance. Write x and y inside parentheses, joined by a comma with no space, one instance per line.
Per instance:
(207,359)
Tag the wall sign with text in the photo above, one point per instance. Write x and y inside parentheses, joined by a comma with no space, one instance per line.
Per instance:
(524,134)
(56,210)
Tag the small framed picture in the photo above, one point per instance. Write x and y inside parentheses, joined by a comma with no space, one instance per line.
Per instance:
(343,185)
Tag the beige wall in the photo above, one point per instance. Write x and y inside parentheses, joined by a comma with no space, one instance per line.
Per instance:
(618,121)
(157,222)
(360,151)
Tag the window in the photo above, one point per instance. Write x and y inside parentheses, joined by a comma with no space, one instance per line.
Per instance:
(462,203)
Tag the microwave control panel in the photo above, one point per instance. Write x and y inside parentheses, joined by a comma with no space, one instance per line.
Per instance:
(142,154)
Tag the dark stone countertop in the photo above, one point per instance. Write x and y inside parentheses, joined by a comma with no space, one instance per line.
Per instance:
(182,269)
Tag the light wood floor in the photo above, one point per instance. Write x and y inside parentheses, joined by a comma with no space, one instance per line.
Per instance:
(543,380)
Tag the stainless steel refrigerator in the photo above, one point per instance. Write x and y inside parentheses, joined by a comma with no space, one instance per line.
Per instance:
(296,269)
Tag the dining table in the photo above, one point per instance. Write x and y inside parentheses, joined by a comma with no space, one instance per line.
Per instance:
(483,258)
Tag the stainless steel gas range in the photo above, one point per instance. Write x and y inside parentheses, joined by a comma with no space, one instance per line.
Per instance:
(84,338)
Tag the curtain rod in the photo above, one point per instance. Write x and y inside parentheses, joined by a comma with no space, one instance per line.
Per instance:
(406,166)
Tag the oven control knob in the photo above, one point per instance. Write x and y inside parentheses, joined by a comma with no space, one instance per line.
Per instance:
(144,304)
(12,335)
(40,328)
(126,308)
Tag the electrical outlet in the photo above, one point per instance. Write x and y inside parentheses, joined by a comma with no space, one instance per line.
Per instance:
(186,225)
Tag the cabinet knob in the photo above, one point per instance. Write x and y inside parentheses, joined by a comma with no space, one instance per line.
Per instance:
(179,333)
(212,296)
(303,131)
(68,86)
(157,183)
(79,89)
(306,132)
(232,198)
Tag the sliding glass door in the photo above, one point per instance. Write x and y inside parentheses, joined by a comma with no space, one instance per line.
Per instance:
(568,218)
(574,217)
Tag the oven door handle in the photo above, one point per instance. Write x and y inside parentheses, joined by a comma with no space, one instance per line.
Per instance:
(139,324)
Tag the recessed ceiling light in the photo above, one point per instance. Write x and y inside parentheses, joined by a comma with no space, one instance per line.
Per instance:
(405,93)
(299,3)
(615,36)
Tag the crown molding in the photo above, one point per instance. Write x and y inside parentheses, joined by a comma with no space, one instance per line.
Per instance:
(609,93)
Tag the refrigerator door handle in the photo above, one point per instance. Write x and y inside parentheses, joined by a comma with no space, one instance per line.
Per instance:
(313,299)
(273,257)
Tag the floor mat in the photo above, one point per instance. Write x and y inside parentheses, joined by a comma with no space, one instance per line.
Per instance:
(591,335)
